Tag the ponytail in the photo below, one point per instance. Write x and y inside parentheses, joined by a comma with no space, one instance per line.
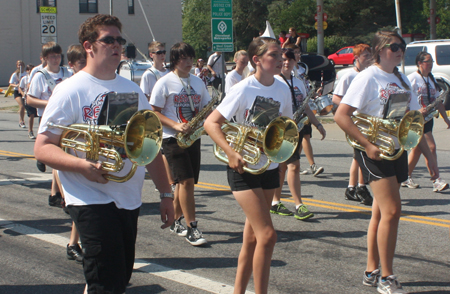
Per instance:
(399,76)
(438,88)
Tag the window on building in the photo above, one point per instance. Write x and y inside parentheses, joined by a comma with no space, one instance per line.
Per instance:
(130,6)
(45,3)
(88,6)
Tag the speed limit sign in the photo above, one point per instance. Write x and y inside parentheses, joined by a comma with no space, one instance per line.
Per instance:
(48,27)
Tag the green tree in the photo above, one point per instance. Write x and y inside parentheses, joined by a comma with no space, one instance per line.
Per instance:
(196,25)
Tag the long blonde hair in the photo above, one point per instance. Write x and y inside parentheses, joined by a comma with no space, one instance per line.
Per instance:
(380,40)
(20,69)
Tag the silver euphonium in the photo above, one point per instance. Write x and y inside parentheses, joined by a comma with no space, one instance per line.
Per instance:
(431,110)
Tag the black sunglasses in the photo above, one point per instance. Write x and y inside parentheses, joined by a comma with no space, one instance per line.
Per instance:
(394,47)
(110,40)
(159,52)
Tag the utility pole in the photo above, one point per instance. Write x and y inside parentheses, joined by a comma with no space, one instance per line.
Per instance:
(432,19)
(110,7)
(320,37)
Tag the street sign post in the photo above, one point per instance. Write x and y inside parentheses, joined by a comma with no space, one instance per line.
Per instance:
(221,9)
(222,25)
(48,24)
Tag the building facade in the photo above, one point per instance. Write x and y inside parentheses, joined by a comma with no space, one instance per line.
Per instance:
(25,26)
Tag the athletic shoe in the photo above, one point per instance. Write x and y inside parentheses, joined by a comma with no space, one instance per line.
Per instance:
(305,172)
(439,185)
(194,236)
(22,125)
(31,135)
(364,195)
(350,194)
(390,286)
(410,184)
(302,213)
(280,209)
(74,252)
(371,279)
(40,166)
(316,170)
(55,200)
(178,228)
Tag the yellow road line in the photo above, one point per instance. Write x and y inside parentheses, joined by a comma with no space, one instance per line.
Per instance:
(311,202)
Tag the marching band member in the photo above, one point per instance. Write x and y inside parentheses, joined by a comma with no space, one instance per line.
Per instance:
(369,93)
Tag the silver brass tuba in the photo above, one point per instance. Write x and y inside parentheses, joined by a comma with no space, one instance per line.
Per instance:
(196,123)
(409,132)
(278,140)
(300,117)
(431,110)
(141,139)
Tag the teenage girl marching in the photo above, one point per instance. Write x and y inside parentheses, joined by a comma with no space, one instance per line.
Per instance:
(253,192)
(369,92)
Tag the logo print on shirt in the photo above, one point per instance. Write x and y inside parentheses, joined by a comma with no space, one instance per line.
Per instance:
(183,106)
(391,88)
(91,113)
(57,81)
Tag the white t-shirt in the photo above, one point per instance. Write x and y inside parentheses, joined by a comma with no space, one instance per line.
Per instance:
(24,83)
(15,79)
(217,67)
(370,91)
(40,89)
(231,79)
(170,95)
(78,100)
(241,98)
(299,90)
(344,83)
(149,79)
(419,86)
(35,70)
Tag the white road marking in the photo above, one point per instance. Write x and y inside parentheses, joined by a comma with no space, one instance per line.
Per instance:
(33,177)
(152,268)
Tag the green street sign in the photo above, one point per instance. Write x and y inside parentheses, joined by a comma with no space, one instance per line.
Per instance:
(223,47)
(222,30)
(221,9)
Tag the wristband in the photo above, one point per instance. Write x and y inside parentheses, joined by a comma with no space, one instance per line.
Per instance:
(165,195)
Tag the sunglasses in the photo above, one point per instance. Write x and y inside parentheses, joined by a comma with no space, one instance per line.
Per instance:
(110,40)
(394,47)
(159,52)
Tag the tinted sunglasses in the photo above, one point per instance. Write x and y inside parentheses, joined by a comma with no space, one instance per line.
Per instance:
(110,40)
(394,47)
(159,52)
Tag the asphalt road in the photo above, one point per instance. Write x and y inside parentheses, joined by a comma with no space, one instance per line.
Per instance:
(326,254)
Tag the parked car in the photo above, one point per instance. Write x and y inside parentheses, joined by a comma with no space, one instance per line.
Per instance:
(343,56)
(440,53)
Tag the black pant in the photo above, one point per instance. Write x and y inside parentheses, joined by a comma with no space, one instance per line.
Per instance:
(216,82)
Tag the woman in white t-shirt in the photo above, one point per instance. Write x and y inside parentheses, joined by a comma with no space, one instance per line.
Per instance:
(14,82)
(292,165)
(425,86)
(368,93)
(256,94)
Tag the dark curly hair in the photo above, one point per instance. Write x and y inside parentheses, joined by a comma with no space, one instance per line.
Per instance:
(88,29)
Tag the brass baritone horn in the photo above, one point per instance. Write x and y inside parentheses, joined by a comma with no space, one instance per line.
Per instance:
(141,139)
(278,140)
(408,131)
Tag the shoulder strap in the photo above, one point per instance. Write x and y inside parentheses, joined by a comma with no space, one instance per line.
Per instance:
(155,73)
(50,81)
(216,60)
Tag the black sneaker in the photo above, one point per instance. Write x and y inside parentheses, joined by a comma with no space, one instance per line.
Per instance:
(364,195)
(55,200)
(74,252)
(40,166)
(350,194)
(178,228)
(303,213)
(280,209)
(194,236)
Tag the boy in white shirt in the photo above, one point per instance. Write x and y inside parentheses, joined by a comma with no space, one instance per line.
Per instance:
(157,53)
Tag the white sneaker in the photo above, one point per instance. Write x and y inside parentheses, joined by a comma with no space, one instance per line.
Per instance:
(410,184)
(439,185)
(390,286)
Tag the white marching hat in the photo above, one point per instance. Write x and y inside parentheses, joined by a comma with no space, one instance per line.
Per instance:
(268,32)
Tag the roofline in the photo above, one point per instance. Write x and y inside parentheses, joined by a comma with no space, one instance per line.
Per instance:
(430,41)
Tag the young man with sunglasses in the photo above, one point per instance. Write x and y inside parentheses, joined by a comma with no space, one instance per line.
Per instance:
(157,53)
(105,212)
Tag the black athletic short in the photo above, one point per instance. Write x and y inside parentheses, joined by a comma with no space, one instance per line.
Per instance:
(296,155)
(428,127)
(377,169)
(108,235)
(30,110)
(184,163)
(270,179)
(17,94)
(307,130)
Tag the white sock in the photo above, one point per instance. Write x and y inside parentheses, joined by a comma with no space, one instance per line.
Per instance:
(298,206)
(275,202)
